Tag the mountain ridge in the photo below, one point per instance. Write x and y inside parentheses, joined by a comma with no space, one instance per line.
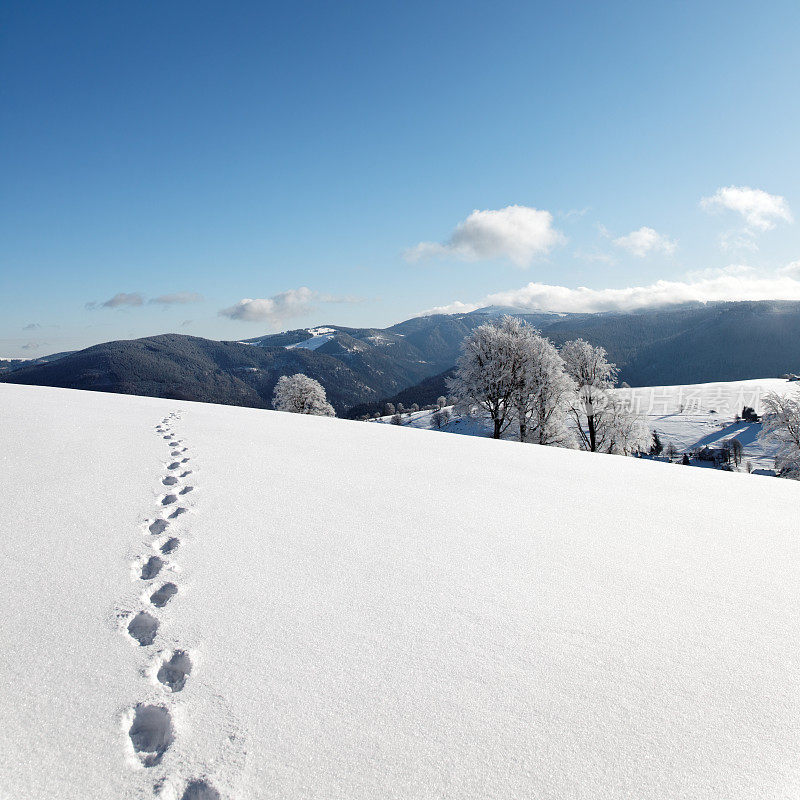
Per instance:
(364,366)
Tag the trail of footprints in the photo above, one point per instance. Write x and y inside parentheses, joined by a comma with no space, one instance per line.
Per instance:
(151,730)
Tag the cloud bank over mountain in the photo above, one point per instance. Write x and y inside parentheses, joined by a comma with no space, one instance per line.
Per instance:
(733,283)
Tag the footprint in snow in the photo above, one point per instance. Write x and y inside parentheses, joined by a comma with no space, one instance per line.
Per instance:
(169,499)
(175,453)
(177,512)
(184,460)
(173,673)
(170,480)
(143,628)
(162,596)
(185,474)
(186,490)
(174,465)
(151,733)
(170,545)
(200,790)
(158,527)
(151,568)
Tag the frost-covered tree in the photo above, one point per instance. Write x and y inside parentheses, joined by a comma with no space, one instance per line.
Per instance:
(737,451)
(488,373)
(594,376)
(512,375)
(397,419)
(440,417)
(619,430)
(388,410)
(300,394)
(604,422)
(441,401)
(541,400)
(781,427)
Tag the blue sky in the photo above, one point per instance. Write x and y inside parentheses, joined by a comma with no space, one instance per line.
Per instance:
(299,154)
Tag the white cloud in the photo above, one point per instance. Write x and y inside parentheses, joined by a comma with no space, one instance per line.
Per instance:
(643,241)
(734,283)
(456,307)
(791,270)
(119,300)
(293,303)
(279,307)
(177,298)
(135,299)
(760,210)
(518,233)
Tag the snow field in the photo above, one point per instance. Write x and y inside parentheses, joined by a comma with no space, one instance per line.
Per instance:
(367,611)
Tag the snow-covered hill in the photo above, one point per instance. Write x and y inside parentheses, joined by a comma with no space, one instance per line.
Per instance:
(690,417)
(705,414)
(366,611)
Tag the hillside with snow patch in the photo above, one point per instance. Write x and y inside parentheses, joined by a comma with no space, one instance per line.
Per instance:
(212,601)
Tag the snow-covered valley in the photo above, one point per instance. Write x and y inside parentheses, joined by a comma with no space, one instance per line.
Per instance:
(346,610)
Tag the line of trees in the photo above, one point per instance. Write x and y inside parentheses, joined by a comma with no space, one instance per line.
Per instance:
(511,375)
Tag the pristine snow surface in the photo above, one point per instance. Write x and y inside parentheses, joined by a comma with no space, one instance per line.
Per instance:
(369,612)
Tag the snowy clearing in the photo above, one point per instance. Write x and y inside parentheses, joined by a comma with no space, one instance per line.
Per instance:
(315,342)
(340,610)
